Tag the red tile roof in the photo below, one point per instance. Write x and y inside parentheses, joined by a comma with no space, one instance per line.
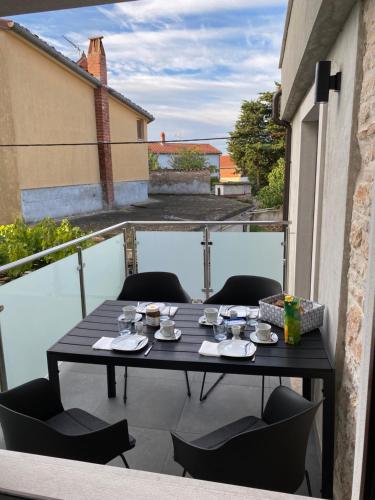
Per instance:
(228,167)
(173,148)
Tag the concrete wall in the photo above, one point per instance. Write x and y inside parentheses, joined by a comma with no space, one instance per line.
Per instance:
(232,189)
(178,182)
(312,27)
(129,161)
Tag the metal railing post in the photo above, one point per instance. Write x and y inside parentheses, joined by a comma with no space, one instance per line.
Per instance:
(3,373)
(80,267)
(206,262)
(125,235)
(285,257)
(135,256)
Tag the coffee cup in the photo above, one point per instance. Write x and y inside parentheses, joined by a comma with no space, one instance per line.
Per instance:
(167,328)
(129,312)
(263,331)
(211,314)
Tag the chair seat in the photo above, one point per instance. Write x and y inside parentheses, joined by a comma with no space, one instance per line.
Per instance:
(220,436)
(75,421)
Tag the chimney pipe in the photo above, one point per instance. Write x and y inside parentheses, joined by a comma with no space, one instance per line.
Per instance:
(162,137)
(96,59)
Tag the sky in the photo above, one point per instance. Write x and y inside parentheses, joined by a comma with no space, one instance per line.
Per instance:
(190,63)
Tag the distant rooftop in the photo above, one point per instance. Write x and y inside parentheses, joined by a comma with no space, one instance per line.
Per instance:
(173,148)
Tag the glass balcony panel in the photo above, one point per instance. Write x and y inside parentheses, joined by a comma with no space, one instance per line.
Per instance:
(177,252)
(39,308)
(258,254)
(104,271)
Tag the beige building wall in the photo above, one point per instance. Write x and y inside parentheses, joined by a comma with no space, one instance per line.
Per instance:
(10,207)
(129,161)
(50,104)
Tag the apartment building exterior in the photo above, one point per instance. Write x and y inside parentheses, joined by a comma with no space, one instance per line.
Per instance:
(46,98)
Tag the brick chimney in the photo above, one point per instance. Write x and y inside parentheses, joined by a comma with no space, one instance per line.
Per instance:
(96,60)
(97,66)
(82,62)
(162,137)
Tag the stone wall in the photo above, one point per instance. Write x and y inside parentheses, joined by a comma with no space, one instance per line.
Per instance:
(180,182)
(348,367)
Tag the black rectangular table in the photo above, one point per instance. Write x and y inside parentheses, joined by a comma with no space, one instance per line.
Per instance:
(308,361)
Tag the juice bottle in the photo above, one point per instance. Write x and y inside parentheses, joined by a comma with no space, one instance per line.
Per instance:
(292,320)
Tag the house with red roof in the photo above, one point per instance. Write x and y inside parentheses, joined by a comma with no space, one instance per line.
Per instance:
(231,183)
(166,150)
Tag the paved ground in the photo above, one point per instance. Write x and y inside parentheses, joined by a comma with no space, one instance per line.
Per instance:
(167,207)
(157,403)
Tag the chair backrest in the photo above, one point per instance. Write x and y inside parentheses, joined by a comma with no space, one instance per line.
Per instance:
(244,290)
(156,286)
(23,412)
(270,457)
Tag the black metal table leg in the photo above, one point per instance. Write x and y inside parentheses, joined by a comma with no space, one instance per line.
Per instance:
(328,436)
(125,384)
(306,388)
(202,396)
(53,373)
(187,384)
(111,381)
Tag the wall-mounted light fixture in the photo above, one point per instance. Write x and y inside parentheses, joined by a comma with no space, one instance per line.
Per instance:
(324,82)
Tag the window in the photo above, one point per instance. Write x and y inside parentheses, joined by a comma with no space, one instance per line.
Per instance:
(140,130)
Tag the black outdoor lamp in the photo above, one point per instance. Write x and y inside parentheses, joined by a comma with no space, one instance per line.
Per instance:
(324,81)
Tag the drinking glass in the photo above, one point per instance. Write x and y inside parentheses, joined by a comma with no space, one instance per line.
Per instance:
(124,326)
(220,331)
(252,317)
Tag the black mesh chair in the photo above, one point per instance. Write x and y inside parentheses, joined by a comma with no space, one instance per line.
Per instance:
(34,421)
(266,453)
(157,287)
(242,290)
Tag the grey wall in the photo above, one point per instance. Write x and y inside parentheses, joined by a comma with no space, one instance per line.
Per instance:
(312,29)
(60,201)
(128,192)
(179,182)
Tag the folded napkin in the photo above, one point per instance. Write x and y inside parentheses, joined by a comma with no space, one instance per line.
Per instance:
(209,349)
(103,343)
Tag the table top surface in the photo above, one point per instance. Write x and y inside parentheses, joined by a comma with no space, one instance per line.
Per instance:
(308,359)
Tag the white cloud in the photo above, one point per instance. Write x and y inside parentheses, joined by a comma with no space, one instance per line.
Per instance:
(151,10)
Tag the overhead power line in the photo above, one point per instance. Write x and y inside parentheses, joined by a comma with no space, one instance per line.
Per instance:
(41,145)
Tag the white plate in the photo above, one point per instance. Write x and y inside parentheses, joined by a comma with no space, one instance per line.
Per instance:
(141,308)
(203,321)
(242,311)
(236,348)
(137,318)
(273,340)
(177,335)
(129,343)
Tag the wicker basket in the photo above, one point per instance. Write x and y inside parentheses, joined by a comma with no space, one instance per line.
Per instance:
(311,318)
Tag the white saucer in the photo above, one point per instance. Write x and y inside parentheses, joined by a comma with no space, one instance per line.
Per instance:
(236,348)
(141,308)
(137,317)
(273,340)
(177,335)
(203,321)
(129,343)
(242,311)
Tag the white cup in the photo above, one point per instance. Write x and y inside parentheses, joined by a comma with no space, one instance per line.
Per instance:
(129,312)
(211,314)
(263,331)
(167,328)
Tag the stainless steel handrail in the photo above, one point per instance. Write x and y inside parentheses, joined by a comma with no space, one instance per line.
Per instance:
(120,225)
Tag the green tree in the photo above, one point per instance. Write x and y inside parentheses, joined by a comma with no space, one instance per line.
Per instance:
(256,143)
(272,195)
(188,159)
(153,162)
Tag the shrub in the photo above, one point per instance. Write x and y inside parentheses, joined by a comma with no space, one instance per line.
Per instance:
(19,240)
(273,195)
(188,159)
